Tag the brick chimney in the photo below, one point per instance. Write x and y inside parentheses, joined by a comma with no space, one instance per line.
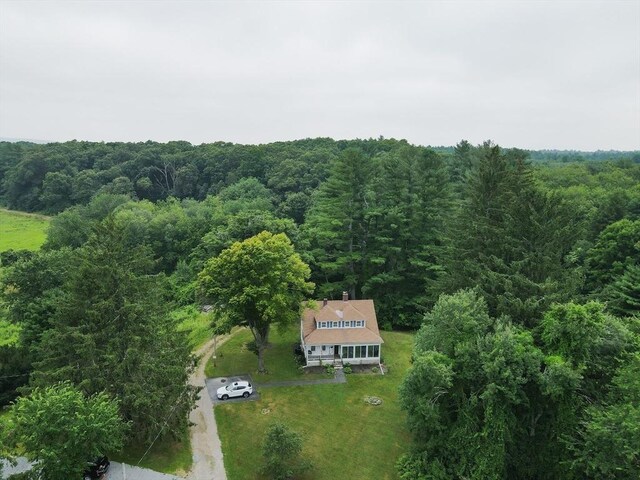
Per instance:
(324,302)
(345,296)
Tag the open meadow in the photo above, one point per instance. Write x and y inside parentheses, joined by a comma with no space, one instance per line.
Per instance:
(22,231)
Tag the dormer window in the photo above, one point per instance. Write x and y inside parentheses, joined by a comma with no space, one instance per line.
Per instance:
(340,324)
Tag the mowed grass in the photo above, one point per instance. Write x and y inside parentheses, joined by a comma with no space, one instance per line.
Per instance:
(233,358)
(343,436)
(22,231)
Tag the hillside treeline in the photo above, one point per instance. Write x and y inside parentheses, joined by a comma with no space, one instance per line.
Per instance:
(522,278)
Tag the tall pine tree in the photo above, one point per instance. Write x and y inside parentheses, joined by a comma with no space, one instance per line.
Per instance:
(509,238)
(411,200)
(338,226)
(112,333)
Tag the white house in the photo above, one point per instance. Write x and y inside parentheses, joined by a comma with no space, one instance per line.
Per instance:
(341,331)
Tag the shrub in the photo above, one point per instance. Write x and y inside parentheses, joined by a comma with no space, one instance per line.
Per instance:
(347,370)
(281,451)
(330,369)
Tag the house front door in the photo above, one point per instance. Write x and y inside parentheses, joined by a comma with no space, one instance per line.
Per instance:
(336,350)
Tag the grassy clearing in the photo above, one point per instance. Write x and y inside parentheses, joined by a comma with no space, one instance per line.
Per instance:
(233,358)
(167,456)
(196,324)
(20,230)
(343,436)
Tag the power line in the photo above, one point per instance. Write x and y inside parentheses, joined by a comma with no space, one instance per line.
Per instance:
(165,423)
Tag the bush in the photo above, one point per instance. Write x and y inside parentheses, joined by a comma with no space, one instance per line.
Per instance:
(330,369)
(281,451)
(347,369)
(298,354)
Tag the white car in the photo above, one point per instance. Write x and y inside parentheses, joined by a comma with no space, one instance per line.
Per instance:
(235,389)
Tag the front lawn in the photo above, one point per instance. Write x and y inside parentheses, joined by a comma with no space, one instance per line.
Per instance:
(343,436)
(234,358)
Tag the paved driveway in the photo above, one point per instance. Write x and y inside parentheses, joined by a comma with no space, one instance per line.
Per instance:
(213,384)
(117,471)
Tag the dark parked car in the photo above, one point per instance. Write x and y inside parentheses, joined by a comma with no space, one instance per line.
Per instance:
(96,469)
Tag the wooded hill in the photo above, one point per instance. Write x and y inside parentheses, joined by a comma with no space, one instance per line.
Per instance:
(519,268)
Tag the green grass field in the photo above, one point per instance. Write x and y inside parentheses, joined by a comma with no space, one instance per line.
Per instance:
(343,436)
(234,358)
(196,324)
(20,230)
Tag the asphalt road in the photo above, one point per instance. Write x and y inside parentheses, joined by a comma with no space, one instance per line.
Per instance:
(119,471)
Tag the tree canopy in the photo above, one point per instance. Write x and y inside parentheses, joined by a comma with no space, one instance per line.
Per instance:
(61,430)
(519,269)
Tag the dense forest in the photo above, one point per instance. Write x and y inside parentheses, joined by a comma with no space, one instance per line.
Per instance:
(519,270)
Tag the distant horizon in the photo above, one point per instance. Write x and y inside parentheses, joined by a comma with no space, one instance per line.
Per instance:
(559,150)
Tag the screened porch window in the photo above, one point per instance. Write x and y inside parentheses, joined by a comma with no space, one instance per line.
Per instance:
(347,352)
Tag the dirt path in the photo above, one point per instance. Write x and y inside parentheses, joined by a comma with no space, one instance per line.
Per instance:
(18,213)
(208,463)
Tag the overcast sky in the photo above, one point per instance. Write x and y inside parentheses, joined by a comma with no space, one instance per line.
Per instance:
(531,74)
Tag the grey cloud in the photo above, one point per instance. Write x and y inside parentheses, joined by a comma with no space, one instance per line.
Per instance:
(529,74)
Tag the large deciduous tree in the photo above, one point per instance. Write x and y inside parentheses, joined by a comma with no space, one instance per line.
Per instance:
(484,400)
(60,429)
(607,444)
(257,283)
